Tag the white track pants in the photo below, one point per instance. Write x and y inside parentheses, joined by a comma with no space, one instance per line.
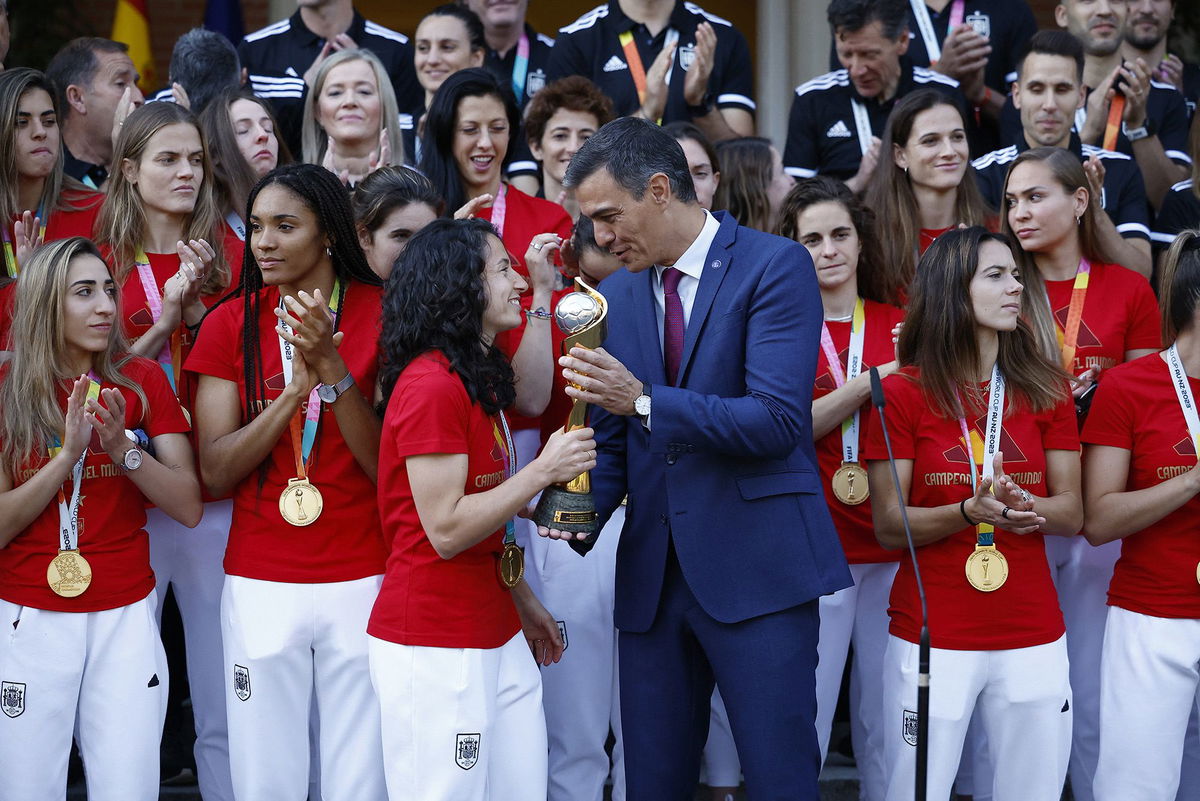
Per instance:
(101,674)
(1150,672)
(857,615)
(461,724)
(1022,696)
(282,642)
(189,560)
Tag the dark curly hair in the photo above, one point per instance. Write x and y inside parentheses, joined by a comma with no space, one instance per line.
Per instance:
(573,93)
(435,300)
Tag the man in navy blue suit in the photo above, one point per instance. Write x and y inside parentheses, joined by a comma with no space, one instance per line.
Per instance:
(702,396)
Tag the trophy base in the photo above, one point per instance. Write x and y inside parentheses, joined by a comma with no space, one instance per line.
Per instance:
(568,511)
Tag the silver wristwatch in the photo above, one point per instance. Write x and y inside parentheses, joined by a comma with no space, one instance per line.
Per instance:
(132,459)
(1137,134)
(641,404)
(328,393)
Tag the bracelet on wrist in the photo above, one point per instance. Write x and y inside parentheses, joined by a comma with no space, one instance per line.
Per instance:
(539,313)
(962,508)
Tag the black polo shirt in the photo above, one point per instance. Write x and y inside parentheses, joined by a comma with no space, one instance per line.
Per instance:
(1180,212)
(93,175)
(278,55)
(540,46)
(1123,196)
(822,133)
(1165,106)
(1191,85)
(1007,24)
(589,46)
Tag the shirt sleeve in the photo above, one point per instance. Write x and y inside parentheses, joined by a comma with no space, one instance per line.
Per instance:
(214,350)
(800,157)
(1143,330)
(1130,209)
(1109,420)
(1173,128)
(1062,432)
(566,58)
(1180,211)
(898,392)
(431,416)
(736,88)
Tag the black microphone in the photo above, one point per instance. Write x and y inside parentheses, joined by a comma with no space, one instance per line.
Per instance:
(877,400)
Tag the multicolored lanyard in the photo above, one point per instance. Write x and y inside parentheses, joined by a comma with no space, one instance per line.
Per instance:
(500,209)
(10,254)
(170,358)
(520,66)
(854,360)
(302,443)
(932,47)
(68,513)
(506,447)
(1075,314)
(985,533)
(637,70)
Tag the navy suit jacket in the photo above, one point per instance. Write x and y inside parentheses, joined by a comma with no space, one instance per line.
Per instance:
(727,470)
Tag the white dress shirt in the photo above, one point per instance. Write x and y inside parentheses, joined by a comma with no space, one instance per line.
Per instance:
(691,264)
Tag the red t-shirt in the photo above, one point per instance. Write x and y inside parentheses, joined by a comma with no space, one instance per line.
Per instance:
(1136,408)
(509,341)
(524,218)
(1022,613)
(425,599)
(111,514)
(854,524)
(345,543)
(927,235)
(1119,314)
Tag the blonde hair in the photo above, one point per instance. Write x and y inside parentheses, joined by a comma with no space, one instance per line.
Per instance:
(122,221)
(314,140)
(30,416)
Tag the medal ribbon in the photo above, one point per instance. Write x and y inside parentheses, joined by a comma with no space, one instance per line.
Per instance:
(68,514)
(506,447)
(1113,126)
(170,358)
(500,209)
(637,70)
(853,368)
(932,47)
(303,441)
(1184,392)
(985,534)
(1075,314)
(520,66)
(235,221)
(10,253)
(862,124)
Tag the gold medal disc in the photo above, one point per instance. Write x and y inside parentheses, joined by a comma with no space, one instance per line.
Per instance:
(1198,572)
(301,503)
(69,574)
(850,484)
(512,565)
(987,569)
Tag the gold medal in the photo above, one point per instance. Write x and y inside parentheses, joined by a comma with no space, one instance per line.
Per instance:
(1198,572)
(850,484)
(69,574)
(512,565)
(987,569)
(301,503)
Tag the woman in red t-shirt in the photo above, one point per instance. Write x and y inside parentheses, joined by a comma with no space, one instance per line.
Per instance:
(986,447)
(1142,481)
(81,652)
(1099,315)
(158,220)
(827,218)
(923,185)
(286,367)
(454,623)
(42,204)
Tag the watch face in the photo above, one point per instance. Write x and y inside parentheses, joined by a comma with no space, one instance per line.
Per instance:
(133,459)
(641,405)
(326,393)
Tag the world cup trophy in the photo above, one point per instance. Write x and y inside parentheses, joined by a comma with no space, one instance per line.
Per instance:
(583,317)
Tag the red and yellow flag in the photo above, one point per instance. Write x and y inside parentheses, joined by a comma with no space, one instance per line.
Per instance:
(131,26)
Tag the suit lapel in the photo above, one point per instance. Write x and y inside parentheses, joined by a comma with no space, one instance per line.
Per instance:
(716,265)
(647,326)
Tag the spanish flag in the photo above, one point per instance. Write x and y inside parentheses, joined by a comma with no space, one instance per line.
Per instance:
(131,26)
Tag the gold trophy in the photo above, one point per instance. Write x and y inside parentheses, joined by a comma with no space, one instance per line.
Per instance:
(582,316)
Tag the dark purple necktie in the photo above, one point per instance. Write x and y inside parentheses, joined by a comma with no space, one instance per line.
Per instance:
(672,323)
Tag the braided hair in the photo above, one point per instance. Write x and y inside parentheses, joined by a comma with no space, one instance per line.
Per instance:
(319,190)
(435,300)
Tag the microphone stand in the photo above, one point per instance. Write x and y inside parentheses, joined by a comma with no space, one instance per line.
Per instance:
(877,400)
